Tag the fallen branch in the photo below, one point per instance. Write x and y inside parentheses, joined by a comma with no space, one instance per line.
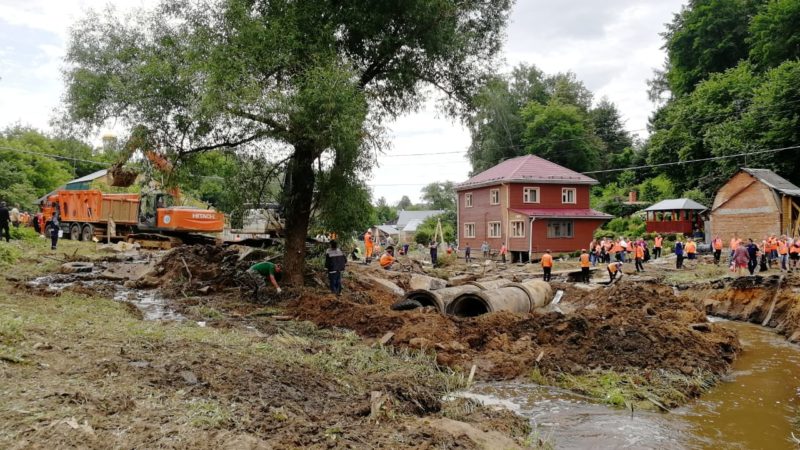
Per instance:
(187,269)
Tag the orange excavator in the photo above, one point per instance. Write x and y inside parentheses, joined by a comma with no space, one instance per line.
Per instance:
(151,217)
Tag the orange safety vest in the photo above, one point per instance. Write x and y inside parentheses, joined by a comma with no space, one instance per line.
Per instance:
(585,260)
(717,244)
(771,245)
(386,260)
(783,248)
(368,240)
(547,260)
(616,248)
(640,252)
(658,242)
(691,247)
(612,267)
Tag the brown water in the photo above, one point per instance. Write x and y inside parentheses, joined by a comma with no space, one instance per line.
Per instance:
(753,408)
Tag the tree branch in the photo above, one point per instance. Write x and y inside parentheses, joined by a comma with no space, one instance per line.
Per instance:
(272,123)
(224,144)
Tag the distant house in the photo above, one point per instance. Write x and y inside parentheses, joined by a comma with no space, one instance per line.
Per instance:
(82,183)
(755,203)
(387,231)
(677,215)
(408,221)
(531,205)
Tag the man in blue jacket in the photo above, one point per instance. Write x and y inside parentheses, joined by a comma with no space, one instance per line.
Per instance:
(679,254)
(335,262)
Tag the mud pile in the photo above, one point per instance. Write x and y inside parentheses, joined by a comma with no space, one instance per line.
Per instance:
(634,325)
(769,301)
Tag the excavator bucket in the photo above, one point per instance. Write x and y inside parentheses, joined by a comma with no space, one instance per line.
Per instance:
(121,177)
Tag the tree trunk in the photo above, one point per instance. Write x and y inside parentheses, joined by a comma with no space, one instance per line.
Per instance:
(298,192)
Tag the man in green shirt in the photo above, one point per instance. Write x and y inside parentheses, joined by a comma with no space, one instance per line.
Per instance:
(259,272)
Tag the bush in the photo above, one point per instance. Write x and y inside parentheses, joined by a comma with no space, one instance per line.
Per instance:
(8,255)
(24,234)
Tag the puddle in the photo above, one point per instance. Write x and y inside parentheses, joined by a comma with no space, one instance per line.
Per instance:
(149,302)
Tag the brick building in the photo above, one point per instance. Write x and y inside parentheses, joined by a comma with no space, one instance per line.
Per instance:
(755,203)
(531,205)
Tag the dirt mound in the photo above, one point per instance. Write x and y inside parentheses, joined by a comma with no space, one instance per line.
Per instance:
(756,299)
(634,325)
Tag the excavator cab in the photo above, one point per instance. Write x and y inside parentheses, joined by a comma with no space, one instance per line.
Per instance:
(150,204)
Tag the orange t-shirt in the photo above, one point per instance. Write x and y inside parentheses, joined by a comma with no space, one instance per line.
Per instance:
(640,252)
(783,248)
(658,242)
(386,260)
(547,260)
(585,260)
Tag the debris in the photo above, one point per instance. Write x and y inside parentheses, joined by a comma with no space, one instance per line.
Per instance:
(189,377)
(425,282)
(76,267)
(42,346)
(386,338)
(387,285)
(461,280)
(377,400)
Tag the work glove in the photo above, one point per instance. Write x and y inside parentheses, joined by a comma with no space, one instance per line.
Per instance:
(279,290)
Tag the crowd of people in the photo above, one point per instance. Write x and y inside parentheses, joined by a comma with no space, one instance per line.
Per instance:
(14,217)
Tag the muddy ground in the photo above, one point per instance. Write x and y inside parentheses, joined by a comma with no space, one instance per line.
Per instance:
(279,369)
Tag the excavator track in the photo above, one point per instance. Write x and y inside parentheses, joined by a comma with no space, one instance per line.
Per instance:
(155,241)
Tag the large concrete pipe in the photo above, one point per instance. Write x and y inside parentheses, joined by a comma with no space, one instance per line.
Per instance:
(515,297)
(440,298)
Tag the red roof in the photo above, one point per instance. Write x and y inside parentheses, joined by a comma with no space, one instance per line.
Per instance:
(526,169)
(559,213)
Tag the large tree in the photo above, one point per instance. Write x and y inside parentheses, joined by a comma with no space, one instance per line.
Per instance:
(311,81)
(440,195)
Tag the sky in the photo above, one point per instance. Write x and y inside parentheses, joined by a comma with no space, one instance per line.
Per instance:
(612,46)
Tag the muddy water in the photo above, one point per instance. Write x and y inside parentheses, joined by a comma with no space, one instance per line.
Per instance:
(751,409)
(149,302)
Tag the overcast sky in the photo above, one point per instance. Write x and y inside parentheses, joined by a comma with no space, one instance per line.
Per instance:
(612,46)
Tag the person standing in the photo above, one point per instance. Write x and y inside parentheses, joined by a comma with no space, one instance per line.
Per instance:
(259,272)
(638,253)
(5,218)
(434,247)
(783,253)
(547,265)
(678,253)
(734,245)
(468,253)
(657,243)
(485,250)
(794,255)
(55,228)
(368,246)
(335,262)
(752,257)
(15,216)
(585,264)
(503,252)
(740,259)
(691,249)
(716,244)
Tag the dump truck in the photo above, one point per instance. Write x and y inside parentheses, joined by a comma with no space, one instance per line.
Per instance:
(149,218)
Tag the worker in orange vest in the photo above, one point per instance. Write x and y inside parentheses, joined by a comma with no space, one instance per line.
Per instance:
(657,245)
(387,259)
(794,254)
(585,264)
(783,253)
(368,246)
(547,265)
(638,254)
(771,249)
(716,244)
(691,249)
(734,245)
(614,270)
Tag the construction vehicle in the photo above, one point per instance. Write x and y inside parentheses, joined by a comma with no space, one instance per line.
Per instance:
(258,225)
(148,218)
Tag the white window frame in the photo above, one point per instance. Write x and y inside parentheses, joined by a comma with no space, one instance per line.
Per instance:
(494,196)
(570,224)
(514,229)
(489,230)
(467,227)
(564,192)
(468,200)
(526,194)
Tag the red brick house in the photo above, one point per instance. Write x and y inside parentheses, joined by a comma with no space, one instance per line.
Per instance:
(531,205)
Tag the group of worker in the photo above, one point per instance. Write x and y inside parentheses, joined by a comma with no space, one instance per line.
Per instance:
(11,217)
(586,261)
(755,257)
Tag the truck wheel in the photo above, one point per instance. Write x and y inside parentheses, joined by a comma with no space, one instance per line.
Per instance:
(87,233)
(75,232)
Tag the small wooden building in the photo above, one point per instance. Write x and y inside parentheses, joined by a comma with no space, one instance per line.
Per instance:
(755,203)
(677,215)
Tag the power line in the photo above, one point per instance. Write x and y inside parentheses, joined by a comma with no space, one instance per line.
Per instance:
(50,155)
(713,158)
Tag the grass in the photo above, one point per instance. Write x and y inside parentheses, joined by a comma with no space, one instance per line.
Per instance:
(207,414)
(633,390)
(696,271)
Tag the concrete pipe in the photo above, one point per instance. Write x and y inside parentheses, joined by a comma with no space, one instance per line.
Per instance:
(439,298)
(489,285)
(515,297)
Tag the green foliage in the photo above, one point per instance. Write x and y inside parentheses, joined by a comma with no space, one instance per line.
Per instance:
(440,195)
(344,204)
(24,234)
(619,226)
(427,229)
(383,212)
(696,195)
(528,112)
(8,255)
(404,203)
(773,33)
